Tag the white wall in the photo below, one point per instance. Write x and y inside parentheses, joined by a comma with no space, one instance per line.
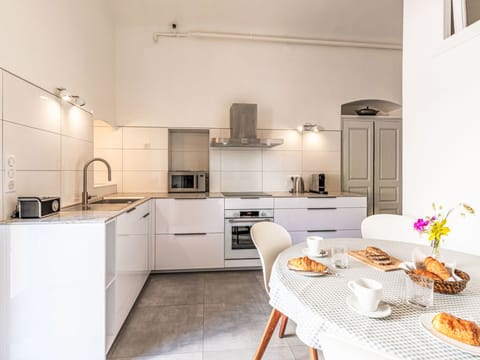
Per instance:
(62,43)
(192,83)
(50,140)
(441,147)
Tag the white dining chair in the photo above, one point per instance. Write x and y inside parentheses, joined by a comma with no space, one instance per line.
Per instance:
(389,227)
(270,240)
(337,348)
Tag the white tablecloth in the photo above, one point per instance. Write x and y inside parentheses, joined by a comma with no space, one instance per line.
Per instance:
(318,304)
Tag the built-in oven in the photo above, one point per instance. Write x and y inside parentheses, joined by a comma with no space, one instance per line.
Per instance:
(238,242)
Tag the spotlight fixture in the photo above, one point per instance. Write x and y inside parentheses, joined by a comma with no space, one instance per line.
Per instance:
(77,100)
(308,127)
(65,95)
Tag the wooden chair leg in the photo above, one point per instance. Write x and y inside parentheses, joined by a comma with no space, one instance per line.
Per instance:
(283,325)
(267,333)
(313,353)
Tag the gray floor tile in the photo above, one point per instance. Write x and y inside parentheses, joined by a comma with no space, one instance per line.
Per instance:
(161,330)
(236,326)
(301,353)
(272,353)
(166,293)
(189,356)
(234,290)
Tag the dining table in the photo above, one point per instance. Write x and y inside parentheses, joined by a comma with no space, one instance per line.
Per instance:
(318,304)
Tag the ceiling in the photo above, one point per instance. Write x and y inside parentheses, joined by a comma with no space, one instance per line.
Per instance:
(356,20)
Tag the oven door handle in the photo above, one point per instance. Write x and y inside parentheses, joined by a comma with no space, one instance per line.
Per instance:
(248,221)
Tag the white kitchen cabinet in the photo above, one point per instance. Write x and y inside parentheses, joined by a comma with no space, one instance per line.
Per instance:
(189,234)
(333,217)
(195,251)
(239,203)
(131,257)
(180,216)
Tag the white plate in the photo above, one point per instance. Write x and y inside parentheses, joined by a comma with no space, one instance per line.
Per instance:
(305,251)
(426,322)
(383,310)
(309,273)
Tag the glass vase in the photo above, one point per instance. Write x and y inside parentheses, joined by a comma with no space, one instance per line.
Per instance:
(435,248)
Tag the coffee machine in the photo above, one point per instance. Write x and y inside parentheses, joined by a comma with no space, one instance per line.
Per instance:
(317,184)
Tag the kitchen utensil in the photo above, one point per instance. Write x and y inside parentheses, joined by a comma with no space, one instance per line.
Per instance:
(419,294)
(317,185)
(298,185)
(368,293)
(366,111)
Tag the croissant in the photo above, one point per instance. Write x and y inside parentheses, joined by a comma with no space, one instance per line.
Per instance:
(306,264)
(459,329)
(426,273)
(436,267)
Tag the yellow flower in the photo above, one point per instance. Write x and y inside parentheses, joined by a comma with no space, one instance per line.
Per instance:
(438,230)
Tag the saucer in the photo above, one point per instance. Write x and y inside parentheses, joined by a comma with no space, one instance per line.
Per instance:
(383,310)
(323,254)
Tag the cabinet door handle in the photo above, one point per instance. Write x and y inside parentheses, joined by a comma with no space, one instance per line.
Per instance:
(147,214)
(249,197)
(326,208)
(249,221)
(321,197)
(189,234)
(314,231)
(132,209)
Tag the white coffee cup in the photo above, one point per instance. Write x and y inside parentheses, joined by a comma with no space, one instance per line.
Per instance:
(368,293)
(314,244)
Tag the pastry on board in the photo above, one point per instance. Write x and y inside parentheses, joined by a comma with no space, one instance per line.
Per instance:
(436,267)
(306,264)
(456,328)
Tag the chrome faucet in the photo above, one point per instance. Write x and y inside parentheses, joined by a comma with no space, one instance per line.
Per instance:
(85,168)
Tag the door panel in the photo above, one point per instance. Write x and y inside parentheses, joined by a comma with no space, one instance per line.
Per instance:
(357,159)
(388,167)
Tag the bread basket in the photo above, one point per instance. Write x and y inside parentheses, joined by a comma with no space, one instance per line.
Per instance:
(444,287)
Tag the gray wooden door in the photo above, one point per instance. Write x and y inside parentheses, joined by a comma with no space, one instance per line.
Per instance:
(357,159)
(388,167)
(372,162)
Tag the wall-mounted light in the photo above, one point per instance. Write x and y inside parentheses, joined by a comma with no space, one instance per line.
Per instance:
(308,127)
(65,95)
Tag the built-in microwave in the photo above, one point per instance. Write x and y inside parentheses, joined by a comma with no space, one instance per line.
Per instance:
(187,181)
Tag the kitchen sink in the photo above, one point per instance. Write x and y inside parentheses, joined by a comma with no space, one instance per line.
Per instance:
(116,200)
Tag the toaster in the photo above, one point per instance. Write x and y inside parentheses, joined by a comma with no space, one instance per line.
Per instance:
(317,184)
(37,207)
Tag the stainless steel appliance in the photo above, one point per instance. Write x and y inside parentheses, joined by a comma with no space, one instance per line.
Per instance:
(317,184)
(187,181)
(238,242)
(37,207)
(298,185)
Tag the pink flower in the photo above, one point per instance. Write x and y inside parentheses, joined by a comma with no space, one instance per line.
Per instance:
(420,225)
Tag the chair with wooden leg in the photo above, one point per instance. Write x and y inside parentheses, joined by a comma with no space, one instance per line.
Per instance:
(270,240)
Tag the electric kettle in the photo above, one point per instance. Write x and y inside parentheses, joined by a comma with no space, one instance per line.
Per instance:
(297,183)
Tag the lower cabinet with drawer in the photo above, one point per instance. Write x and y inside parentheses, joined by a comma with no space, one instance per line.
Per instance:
(189,234)
(326,217)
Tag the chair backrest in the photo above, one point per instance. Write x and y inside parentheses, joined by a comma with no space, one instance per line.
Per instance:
(270,239)
(390,227)
(335,348)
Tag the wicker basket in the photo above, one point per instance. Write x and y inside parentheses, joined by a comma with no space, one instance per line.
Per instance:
(444,287)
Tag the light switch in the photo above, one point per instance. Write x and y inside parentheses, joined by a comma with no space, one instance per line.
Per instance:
(11,161)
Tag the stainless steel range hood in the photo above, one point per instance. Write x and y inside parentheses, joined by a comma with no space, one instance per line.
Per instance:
(243,129)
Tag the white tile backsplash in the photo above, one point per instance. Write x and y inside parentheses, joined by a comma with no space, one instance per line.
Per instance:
(317,161)
(276,181)
(215,160)
(145,181)
(282,161)
(241,181)
(33,149)
(107,137)
(75,153)
(101,178)
(145,138)
(113,156)
(292,139)
(72,185)
(215,183)
(242,160)
(28,105)
(145,160)
(322,141)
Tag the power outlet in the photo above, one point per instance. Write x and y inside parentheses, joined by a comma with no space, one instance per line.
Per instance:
(11,161)
(10,186)
(10,183)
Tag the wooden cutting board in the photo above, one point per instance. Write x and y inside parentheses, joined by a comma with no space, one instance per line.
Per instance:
(360,256)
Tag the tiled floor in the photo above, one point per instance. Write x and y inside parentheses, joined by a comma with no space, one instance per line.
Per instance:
(203,316)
